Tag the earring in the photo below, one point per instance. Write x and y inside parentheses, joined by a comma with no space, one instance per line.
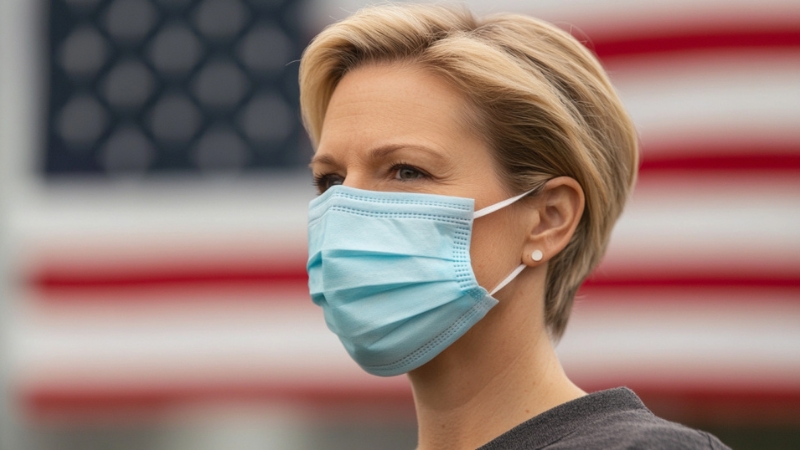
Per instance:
(537,255)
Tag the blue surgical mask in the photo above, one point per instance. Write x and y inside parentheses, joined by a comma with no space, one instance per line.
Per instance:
(392,273)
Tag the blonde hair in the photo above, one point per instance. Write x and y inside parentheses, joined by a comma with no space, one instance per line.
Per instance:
(541,100)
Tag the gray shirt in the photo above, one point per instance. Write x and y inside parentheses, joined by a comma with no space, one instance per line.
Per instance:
(612,419)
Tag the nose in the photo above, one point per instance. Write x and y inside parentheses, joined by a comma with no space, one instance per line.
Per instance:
(359,178)
(353,180)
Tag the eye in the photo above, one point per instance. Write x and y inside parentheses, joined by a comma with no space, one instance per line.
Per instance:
(405,172)
(325,181)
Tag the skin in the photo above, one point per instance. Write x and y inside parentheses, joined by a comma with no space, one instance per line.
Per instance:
(397,127)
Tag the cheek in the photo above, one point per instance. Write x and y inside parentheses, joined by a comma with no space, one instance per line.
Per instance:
(496,248)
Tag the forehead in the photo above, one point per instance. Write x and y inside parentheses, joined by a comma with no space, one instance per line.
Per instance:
(380,103)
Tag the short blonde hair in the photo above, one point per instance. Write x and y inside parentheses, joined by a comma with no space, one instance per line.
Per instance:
(541,100)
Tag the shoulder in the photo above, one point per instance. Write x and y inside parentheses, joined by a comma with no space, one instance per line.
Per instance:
(613,419)
(636,430)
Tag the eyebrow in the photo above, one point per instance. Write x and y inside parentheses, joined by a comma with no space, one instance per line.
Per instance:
(324,159)
(377,153)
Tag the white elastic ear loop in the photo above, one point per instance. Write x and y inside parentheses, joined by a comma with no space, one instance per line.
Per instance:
(492,208)
(509,278)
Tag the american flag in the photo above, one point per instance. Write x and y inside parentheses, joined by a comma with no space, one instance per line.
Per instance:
(167,288)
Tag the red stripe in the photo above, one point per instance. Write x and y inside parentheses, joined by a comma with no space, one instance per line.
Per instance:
(765,158)
(791,281)
(747,404)
(707,39)
(51,279)
(725,163)
(52,284)
(88,405)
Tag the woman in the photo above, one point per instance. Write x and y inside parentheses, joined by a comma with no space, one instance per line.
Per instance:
(470,174)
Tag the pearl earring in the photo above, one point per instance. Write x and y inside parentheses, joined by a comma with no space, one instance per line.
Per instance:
(537,255)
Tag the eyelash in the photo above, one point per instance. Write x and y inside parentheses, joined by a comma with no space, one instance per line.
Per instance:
(321,181)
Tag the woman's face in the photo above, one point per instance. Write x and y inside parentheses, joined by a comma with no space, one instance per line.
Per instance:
(401,128)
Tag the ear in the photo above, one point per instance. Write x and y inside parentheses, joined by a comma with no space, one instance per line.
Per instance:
(559,207)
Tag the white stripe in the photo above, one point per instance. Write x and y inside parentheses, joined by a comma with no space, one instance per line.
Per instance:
(184,340)
(598,16)
(169,210)
(680,334)
(710,223)
(675,336)
(707,96)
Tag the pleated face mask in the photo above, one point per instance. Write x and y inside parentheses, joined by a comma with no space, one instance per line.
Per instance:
(392,273)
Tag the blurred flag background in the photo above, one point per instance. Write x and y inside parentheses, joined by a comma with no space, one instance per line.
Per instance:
(153,194)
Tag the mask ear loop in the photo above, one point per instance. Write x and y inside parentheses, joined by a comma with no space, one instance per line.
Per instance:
(500,205)
(509,278)
(492,208)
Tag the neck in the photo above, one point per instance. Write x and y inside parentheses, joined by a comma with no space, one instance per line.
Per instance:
(489,381)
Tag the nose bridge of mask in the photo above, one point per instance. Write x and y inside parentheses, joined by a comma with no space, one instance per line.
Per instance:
(496,207)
